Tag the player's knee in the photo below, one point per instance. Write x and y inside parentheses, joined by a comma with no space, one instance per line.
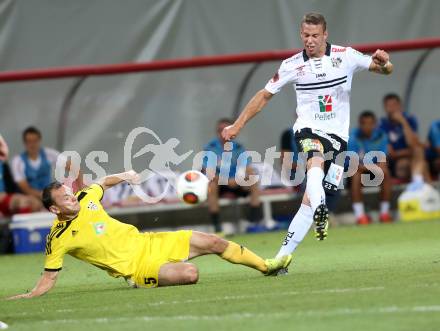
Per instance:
(191,274)
(217,245)
(317,160)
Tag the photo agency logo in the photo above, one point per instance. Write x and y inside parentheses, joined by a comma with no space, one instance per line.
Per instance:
(224,166)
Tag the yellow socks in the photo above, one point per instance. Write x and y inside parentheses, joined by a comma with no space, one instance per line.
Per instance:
(235,253)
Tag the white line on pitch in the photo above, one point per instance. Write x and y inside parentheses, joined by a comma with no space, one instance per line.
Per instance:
(250,315)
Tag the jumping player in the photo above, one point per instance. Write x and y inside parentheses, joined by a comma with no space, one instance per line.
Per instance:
(322,75)
(85,231)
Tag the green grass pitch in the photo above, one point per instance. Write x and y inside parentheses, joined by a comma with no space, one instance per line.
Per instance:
(381,277)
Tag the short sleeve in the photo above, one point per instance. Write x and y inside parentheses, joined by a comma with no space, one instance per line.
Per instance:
(52,156)
(54,254)
(282,77)
(95,190)
(357,60)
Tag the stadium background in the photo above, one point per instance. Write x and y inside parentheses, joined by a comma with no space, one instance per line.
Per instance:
(380,277)
(186,103)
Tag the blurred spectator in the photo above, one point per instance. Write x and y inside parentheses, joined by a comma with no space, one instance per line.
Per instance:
(238,166)
(366,138)
(13,203)
(433,152)
(406,153)
(34,168)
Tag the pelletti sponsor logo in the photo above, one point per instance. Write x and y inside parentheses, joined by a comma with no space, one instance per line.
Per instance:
(325,108)
(325,103)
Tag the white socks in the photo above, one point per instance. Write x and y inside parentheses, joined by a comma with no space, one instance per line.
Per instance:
(358,209)
(298,228)
(314,188)
(384,207)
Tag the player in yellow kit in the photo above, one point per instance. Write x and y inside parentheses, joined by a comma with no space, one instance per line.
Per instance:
(85,231)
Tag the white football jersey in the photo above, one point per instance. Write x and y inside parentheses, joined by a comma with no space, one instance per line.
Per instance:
(322,87)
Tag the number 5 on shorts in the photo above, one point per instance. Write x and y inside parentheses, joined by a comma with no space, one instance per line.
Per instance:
(150,281)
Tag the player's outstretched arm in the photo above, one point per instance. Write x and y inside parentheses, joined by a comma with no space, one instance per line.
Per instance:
(130,176)
(381,63)
(46,282)
(254,106)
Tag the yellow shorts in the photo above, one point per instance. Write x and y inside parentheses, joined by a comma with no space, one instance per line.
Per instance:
(161,248)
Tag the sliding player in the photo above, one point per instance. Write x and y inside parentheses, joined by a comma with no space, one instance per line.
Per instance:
(84,230)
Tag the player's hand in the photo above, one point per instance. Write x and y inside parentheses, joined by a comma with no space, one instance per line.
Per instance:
(132,177)
(380,57)
(20,296)
(398,117)
(230,132)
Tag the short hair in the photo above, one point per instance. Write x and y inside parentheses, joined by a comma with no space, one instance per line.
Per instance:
(367,113)
(31,130)
(47,194)
(225,120)
(315,19)
(391,96)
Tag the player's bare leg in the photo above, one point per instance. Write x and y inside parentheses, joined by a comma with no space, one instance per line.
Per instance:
(180,273)
(385,194)
(419,167)
(254,194)
(255,214)
(203,243)
(213,205)
(357,197)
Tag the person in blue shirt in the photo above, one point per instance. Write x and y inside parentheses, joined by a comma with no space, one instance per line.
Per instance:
(406,157)
(366,138)
(224,163)
(34,168)
(433,152)
(11,202)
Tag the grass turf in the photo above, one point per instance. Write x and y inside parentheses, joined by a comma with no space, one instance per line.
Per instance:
(381,277)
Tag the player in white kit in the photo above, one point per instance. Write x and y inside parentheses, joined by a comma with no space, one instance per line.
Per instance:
(321,75)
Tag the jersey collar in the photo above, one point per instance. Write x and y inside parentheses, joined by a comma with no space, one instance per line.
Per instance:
(327,52)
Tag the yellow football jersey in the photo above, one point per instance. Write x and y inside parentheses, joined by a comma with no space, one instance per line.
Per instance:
(95,237)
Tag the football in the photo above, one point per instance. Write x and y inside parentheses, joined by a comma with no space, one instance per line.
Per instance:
(192,187)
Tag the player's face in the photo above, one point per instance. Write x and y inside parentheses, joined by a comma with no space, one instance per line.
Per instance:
(32,143)
(392,106)
(314,39)
(367,125)
(65,202)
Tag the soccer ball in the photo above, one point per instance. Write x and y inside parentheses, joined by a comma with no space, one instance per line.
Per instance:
(192,187)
